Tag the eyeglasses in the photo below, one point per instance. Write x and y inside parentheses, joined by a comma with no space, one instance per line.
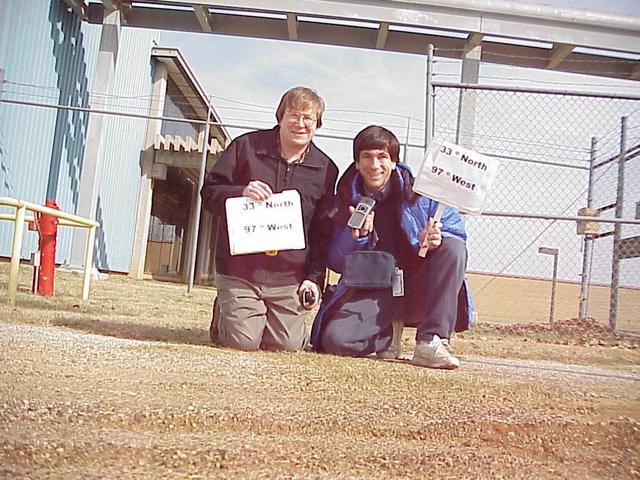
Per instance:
(294,118)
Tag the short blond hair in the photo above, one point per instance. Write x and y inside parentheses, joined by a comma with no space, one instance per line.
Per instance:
(300,98)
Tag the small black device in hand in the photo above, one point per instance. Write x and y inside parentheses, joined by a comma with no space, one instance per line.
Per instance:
(307,298)
(359,215)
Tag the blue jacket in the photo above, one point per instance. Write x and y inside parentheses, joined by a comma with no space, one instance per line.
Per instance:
(416,211)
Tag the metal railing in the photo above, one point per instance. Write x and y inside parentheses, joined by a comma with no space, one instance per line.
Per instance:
(64,219)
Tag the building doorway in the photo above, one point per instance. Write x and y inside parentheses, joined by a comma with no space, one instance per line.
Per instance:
(169,225)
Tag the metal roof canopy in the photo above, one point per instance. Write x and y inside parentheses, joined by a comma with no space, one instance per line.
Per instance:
(510,33)
(182,76)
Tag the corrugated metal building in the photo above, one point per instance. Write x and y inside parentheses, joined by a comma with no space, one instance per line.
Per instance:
(49,56)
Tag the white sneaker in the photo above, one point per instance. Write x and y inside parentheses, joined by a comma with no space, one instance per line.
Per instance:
(395,349)
(433,354)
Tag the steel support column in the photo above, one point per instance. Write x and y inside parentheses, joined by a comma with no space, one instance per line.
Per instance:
(91,163)
(467,103)
(617,230)
(145,188)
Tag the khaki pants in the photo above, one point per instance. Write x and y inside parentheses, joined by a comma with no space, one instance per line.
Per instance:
(256,317)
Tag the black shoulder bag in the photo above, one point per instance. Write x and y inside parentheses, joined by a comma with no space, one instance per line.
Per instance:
(368,276)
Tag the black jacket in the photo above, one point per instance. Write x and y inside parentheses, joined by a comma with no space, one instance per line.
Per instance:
(255,156)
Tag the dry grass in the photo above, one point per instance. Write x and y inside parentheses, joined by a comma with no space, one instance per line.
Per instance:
(512,299)
(125,386)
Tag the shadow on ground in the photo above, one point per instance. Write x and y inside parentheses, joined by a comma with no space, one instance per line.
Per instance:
(135,331)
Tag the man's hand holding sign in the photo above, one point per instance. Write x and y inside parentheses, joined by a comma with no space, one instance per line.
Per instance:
(271,190)
(453,176)
(382,287)
(265,226)
(261,221)
(257,190)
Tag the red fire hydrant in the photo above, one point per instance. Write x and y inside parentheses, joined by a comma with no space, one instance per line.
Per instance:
(47,226)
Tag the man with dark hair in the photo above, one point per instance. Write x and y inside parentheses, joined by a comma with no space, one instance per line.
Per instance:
(257,306)
(435,298)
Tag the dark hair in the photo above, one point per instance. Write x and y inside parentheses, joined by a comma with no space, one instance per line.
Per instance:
(301,98)
(374,137)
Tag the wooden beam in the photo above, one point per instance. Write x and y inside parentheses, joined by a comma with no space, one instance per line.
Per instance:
(473,40)
(383,31)
(559,52)
(182,159)
(635,72)
(79,7)
(205,19)
(292,26)
(123,6)
(470,22)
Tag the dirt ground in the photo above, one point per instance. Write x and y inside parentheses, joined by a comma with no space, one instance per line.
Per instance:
(512,299)
(126,386)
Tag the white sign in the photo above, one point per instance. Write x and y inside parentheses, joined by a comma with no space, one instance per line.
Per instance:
(456,176)
(270,225)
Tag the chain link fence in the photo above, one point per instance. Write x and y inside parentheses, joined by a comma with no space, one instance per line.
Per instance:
(550,167)
(548,162)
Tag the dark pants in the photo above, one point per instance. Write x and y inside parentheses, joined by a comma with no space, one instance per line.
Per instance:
(430,304)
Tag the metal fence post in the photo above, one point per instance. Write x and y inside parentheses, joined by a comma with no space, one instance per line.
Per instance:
(198,206)
(617,230)
(554,283)
(406,143)
(1,88)
(429,104)
(554,280)
(88,262)
(1,81)
(587,243)
(16,248)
